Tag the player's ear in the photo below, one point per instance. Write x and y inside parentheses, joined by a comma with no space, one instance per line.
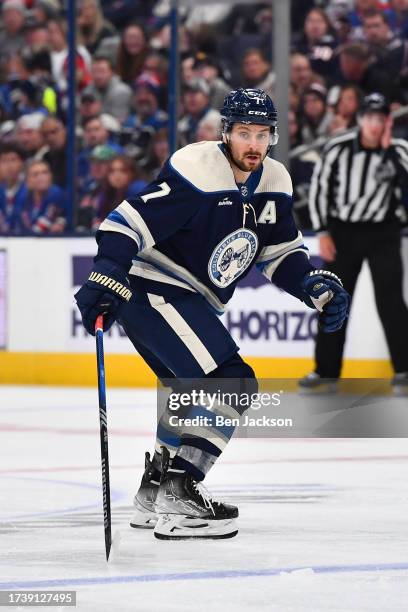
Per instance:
(224,137)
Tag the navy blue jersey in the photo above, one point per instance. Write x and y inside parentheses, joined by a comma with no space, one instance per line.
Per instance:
(194,227)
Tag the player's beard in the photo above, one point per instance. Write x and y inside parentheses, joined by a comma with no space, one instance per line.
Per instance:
(244,164)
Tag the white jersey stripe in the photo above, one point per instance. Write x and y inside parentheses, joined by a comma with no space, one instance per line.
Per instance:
(155,258)
(275,250)
(113,226)
(184,332)
(271,268)
(137,223)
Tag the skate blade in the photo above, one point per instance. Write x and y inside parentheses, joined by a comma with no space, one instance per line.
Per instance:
(143,520)
(176,527)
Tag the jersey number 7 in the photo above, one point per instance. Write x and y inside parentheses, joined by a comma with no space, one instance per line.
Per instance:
(164,190)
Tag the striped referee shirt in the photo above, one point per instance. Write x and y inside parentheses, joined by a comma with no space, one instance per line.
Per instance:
(354,184)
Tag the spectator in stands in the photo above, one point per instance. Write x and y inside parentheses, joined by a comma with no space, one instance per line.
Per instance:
(132,52)
(90,103)
(159,153)
(317,42)
(28,85)
(390,51)
(336,9)
(196,104)
(301,74)
(55,137)
(346,108)
(157,65)
(122,181)
(91,200)
(139,128)
(209,128)
(29,137)
(207,14)
(95,133)
(256,71)
(377,32)
(124,178)
(120,13)
(44,208)
(146,110)
(357,66)
(57,33)
(115,94)
(44,10)
(38,64)
(36,36)
(13,20)
(361,9)
(207,68)
(93,27)
(242,19)
(187,68)
(343,29)
(12,188)
(400,8)
(316,118)
(83,78)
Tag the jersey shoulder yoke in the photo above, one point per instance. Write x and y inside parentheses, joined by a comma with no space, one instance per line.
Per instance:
(275,178)
(205,166)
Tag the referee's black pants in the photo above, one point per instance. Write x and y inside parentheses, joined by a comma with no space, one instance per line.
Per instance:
(380,244)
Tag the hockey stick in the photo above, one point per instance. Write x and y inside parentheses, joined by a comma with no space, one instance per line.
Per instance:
(103,422)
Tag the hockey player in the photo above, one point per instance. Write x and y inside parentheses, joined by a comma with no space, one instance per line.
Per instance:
(168,263)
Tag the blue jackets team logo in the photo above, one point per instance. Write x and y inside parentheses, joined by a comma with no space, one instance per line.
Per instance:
(232,256)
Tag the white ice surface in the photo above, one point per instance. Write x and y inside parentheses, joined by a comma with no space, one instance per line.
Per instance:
(323,522)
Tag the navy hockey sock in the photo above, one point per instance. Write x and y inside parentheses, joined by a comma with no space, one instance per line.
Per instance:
(202,443)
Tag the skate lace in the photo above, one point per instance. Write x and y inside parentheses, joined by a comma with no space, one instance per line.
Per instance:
(205,495)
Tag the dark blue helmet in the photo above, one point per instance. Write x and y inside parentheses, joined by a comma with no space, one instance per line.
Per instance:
(249,106)
(375,103)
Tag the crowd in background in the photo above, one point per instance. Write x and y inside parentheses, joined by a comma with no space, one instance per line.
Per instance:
(340,51)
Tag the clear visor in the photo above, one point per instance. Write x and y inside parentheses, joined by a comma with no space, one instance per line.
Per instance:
(261,138)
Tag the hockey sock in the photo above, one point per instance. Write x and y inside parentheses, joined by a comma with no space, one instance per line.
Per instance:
(168,436)
(202,443)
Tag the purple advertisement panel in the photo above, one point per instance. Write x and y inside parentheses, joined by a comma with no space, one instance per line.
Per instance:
(3,299)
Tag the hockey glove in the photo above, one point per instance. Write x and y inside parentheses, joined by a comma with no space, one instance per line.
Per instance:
(105,292)
(324,291)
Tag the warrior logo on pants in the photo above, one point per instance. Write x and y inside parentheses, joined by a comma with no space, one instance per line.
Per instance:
(232,256)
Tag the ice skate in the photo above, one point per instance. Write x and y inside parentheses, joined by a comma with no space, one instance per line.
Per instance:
(145,516)
(400,383)
(314,383)
(186,511)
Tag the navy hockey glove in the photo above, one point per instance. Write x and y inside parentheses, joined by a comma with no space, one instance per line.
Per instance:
(105,292)
(324,291)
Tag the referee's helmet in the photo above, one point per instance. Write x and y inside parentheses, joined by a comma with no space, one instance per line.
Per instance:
(375,103)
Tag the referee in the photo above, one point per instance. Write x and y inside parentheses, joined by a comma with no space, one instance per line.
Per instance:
(353,209)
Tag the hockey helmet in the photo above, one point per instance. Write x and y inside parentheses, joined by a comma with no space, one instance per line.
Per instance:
(249,106)
(375,103)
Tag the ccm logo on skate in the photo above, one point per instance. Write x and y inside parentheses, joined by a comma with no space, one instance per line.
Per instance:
(112,284)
